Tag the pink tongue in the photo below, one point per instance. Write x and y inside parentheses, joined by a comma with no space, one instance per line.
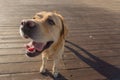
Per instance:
(34,45)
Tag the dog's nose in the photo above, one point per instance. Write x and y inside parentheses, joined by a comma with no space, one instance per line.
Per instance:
(28,23)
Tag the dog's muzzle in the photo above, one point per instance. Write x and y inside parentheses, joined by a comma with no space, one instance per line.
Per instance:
(27,27)
(33,48)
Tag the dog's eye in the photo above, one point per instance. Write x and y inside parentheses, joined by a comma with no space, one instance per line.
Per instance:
(50,21)
(33,17)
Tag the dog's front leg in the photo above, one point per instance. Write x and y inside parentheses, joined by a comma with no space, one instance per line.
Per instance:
(55,68)
(43,66)
(56,62)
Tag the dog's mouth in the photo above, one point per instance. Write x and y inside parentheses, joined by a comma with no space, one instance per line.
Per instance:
(35,48)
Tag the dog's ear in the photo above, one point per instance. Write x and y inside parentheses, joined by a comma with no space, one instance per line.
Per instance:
(64,30)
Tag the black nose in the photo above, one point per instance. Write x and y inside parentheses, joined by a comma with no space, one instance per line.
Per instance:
(28,27)
(27,23)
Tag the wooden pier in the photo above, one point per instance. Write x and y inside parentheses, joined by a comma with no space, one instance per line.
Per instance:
(92,50)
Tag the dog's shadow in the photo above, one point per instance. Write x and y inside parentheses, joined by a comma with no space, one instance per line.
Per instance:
(107,70)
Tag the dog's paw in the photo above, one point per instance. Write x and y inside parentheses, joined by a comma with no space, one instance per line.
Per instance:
(55,74)
(42,70)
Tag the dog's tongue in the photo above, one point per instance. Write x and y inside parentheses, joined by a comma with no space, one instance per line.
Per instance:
(35,46)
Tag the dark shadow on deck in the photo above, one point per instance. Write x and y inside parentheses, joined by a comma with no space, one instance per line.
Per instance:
(109,71)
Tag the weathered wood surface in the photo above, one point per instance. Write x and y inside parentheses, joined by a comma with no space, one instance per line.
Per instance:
(92,49)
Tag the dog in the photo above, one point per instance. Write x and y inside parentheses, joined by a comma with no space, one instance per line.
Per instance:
(47,32)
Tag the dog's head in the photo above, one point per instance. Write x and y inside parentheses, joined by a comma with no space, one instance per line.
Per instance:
(43,29)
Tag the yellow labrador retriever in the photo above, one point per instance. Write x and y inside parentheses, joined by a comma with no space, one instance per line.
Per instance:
(47,32)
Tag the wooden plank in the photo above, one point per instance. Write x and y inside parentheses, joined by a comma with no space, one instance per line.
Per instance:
(5,77)
(20,67)
(86,46)
(85,74)
(18,58)
(100,53)
(30,76)
(96,47)
(85,62)
(7,56)
(12,51)
(108,30)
